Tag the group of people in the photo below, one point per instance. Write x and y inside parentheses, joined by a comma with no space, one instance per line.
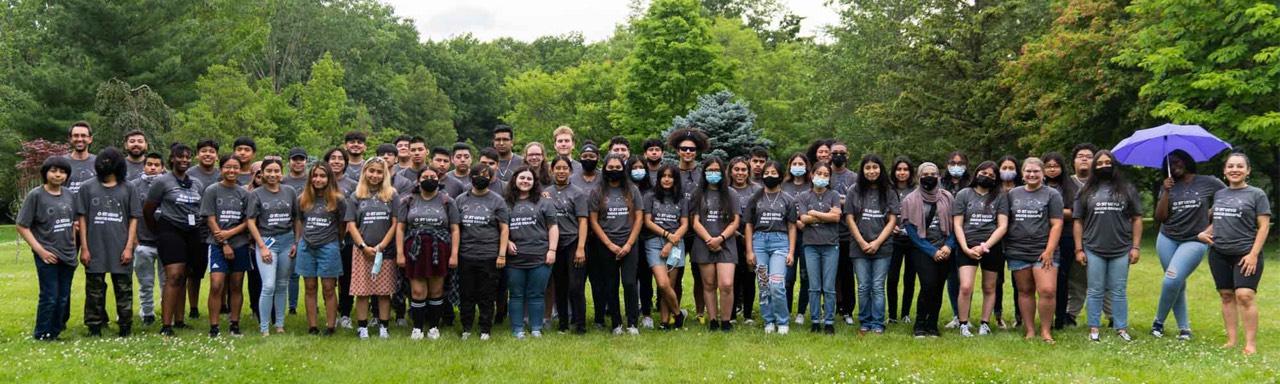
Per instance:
(521,236)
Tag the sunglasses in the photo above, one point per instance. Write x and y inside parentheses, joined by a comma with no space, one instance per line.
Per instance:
(688,149)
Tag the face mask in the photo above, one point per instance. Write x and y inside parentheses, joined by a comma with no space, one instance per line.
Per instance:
(1104,173)
(638,174)
(614,175)
(588,164)
(1008,175)
(956,170)
(654,162)
(713,177)
(797,170)
(772,181)
(986,182)
(430,185)
(480,182)
(839,159)
(820,182)
(929,182)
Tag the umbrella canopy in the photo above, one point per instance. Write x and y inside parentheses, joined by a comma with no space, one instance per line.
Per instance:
(1149,147)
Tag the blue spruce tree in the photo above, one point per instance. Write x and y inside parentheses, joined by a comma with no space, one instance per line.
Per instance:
(728,123)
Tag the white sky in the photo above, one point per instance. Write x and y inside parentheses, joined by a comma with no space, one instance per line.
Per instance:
(526,20)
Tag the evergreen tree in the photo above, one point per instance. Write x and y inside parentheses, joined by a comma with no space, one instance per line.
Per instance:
(729,125)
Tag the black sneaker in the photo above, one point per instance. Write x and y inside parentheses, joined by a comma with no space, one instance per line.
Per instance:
(313,331)
(1184,335)
(829,329)
(235,329)
(195,314)
(126,330)
(1071,321)
(329,331)
(293,311)
(680,316)
(920,334)
(166,331)
(580,330)
(148,320)
(180,325)
(1157,330)
(714,325)
(95,331)
(213,332)
(815,327)
(726,326)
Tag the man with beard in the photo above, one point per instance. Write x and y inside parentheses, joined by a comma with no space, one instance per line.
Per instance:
(653,156)
(81,137)
(135,147)
(503,141)
(354,142)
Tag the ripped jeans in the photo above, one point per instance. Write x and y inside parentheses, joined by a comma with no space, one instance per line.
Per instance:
(771,249)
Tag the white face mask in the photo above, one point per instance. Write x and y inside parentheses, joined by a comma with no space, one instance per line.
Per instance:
(1008,175)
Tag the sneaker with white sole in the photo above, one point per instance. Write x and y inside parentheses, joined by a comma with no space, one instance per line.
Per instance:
(383,334)
(1184,335)
(906,320)
(751,321)
(466,335)
(769,328)
(617,330)
(647,322)
(520,335)
(536,334)
(964,330)
(484,336)
(955,323)
(783,329)
(1124,336)
(416,334)
(848,320)
(433,334)
(344,322)
(633,331)
(402,323)
(1157,330)
(1094,336)
(799,318)
(363,332)
(984,329)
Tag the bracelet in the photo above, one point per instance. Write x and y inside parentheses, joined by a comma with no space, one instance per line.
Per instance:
(550,250)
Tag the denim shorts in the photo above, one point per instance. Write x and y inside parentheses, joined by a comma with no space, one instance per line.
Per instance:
(653,253)
(1018,265)
(218,263)
(318,260)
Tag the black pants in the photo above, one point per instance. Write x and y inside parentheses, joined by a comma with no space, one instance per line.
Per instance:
(255,285)
(479,283)
(95,300)
(452,297)
(744,291)
(900,262)
(500,299)
(402,294)
(644,277)
(933,275)
(953,282)
(796,273)
(1065,247)
(846,285)
(595,257)
(571,284)
(345,300)
(612,272)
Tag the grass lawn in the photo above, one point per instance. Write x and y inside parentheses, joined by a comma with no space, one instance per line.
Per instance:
(683,356)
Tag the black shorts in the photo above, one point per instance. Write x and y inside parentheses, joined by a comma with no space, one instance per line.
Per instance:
(993,261)
(177,245)
(1226,272)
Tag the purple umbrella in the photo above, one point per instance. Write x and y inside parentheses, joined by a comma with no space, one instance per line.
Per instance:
(1149,147)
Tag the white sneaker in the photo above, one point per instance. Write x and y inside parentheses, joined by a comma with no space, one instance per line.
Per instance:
(484,336)
(964,330)
(416,334)
(751,321)
(382,333)
(769,328)
(633,331)
(433,334)
(647,322)
(344,322)
(782,329)
(401,323)
(799,318)
(1124,336)
(848,320)
(520,335)
(363,332)
(466,335)
(1094,336)
(536,334)
(617,330)
(984,330)
(955,322)
(906,320)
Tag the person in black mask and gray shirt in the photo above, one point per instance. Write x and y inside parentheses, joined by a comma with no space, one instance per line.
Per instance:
(1108,230)
(483,250)
(108,223)
(1241,220)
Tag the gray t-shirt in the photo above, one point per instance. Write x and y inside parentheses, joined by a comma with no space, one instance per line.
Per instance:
(134,169)
(978,216)
(1108,220)
(297,183)
(241,179)
(1029,215)
(819,233)
(571,204)
(509,166)
(480,218)
(843,183)
(373,218)
(714,215)
(209,177)
(666,213)
(106,213)
(743,196)
(529,223)
(50,219)
(404,181)
(1189,207)
(274,212)
(354,169)
(615,217)
(455,185)
(228,205)
(347,186)
(319,224)
(577,180)
(179,200)
(81,172)
(1235,219)
(771,213)
(871,216)
(438,213)
(141,186)
(690,181)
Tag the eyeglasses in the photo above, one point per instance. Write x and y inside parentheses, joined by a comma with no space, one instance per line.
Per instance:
(688,149)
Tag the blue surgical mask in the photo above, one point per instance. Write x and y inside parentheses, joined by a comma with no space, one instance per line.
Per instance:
(956,170)
(638,174)
(713,177)
(820,182)
(1008,175)
(798,170)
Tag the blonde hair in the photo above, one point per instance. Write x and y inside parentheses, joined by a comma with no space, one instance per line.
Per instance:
(385,192)
(1032,161)
(562,130)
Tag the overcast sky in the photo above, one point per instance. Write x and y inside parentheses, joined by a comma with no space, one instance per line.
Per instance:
(528,19)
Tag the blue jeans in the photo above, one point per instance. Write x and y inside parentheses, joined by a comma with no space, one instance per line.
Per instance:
(53,307)
(275,280)
(820,263)
(1179,260)
(528,287)
(771,249)
(871,273)
(1110,277)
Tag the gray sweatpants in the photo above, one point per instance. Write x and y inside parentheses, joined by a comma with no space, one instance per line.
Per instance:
(147,267)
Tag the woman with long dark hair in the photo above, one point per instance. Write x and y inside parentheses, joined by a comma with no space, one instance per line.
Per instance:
(1055,176)
(615,219)
(980,218)
(743,189)
(770,233)
(794,183)
(427,237)
(902,182)
(819,216)
(871,213)
(272,216)
(534,241)
(667,219)
(639,174)
(230,254)
(1107,238)
(714,215)
(321,208)
(570,273)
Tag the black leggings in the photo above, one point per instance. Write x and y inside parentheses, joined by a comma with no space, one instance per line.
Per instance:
(846,287)
(933,275)
(744,292)
(345,301)
(609,273)
(901,249)
(479,282)
(570,286)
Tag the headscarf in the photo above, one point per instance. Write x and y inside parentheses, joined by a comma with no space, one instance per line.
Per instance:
(913,205)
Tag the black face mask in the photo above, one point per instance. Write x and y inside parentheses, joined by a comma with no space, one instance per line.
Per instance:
(429,185)
(772,181)
(987,182)
(1104,173)
(479,182)
(839,159)
(588,165)
(614,175)
(929,182)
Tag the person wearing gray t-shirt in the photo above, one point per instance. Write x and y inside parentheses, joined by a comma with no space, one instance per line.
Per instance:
(1182,212)
(1241,220)
(45,223)
(1108,230)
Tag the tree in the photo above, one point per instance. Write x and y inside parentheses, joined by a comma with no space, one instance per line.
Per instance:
(422,108)
(321,104)
(580,97)
(771,21)
(729,125)
(227,107)
(122,108)
(674,61)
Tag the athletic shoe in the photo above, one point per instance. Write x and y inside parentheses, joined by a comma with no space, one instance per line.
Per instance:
(1184,335)
(363,332)
(751,321)
(293,310)
(213,332)
(1157,330)
(714,326)
(195,313)
(166,331)
(647,322)
(401,323)
(799,318)
(148,320)
(892,321)
(416,334)
(848,320)
(955,323)
(829,329)
(680,317)
(964,330)
(770,328)
(484,337)
(702,319)
(383,334)
(1124,336)
(815,328)
(782,329)
(878,331)
(617,331)
(125,331)
(235,330)
(95,331)
(1093,336)
(536,334)
(1000,323)
(520,335)
(466,335)
(329,331)
(633,331)
(920,334)
(344,322)
(906,320)
(313,331)
(726,326)
(433,334)
(984,329)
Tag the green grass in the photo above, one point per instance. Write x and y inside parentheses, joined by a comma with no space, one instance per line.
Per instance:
(690,355)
